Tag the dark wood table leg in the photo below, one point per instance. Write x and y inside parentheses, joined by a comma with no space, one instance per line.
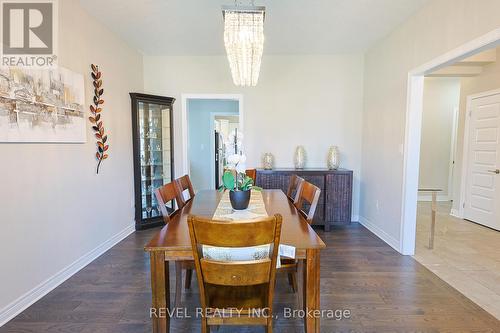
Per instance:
(161,292)
(311,290)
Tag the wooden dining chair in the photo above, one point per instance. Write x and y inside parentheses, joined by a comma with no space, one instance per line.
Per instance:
(237,289)
(169,193)
(165,195)
(252,173)
(294,188)
(184,184)
(307,195)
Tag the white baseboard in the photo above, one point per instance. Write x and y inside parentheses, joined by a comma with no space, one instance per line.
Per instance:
(355,218)
(456,213)
(428,197)
(391,241)
(23,302)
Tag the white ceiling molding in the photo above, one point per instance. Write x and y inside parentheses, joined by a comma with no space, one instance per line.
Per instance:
(457,71)
(468,67)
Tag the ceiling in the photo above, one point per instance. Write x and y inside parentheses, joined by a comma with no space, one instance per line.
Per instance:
(195,27)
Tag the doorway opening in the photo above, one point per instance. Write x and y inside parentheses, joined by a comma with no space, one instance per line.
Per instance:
(452,161)
(413,132)
(209,123)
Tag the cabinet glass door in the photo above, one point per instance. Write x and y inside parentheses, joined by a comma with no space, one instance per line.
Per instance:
(155,159)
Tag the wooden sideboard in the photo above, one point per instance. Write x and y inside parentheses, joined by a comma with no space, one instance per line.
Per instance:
(335,201)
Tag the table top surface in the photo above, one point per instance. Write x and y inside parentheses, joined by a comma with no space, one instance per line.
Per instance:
(295,230)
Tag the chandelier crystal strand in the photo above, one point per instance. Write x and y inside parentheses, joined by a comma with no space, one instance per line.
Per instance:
(244,42)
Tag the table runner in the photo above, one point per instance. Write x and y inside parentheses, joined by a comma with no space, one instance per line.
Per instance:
(256,210)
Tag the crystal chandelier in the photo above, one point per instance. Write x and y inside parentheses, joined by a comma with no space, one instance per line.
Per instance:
(244,41)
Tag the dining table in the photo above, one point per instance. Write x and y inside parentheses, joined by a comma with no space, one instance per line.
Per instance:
(172,243)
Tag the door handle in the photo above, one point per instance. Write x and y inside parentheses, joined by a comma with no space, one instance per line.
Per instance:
(497,171)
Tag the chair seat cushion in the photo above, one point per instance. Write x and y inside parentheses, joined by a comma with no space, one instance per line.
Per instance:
(236,253)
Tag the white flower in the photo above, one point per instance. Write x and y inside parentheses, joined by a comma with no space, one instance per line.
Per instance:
(236,162)
(233,159)
(241,167)
(236,158)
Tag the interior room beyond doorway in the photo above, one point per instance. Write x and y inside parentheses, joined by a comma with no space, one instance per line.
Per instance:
(459,160)
(205,117)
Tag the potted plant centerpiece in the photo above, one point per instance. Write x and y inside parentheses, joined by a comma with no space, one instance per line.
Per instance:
(237,182)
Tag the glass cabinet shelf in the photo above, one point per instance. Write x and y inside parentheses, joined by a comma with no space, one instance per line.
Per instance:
(153,154)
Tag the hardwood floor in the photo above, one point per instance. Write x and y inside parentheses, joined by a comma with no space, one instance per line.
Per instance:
(384,291)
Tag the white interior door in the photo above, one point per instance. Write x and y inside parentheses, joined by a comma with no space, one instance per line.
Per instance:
(482,198)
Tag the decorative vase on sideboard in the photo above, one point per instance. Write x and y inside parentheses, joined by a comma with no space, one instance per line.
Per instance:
(268,161)
(333,160)
(300,157)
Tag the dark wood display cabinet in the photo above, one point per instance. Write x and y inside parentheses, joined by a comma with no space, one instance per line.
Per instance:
(152,132)
(335,201)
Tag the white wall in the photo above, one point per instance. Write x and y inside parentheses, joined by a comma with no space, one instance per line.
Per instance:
(440,26)
(201,137)
(54,209)
(315,101)
(441,98)
(489,79)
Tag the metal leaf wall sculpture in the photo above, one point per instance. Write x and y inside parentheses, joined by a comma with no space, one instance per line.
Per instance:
(95,118)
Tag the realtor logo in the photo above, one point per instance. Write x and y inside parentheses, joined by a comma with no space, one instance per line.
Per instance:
(29,32)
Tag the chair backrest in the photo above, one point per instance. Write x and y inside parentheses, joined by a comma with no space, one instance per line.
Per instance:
(252,173)
(183,184)
(235,274)
(294,188)
(309,194)
(165,194)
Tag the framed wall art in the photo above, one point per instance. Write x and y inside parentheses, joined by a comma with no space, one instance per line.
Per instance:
(42,105)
